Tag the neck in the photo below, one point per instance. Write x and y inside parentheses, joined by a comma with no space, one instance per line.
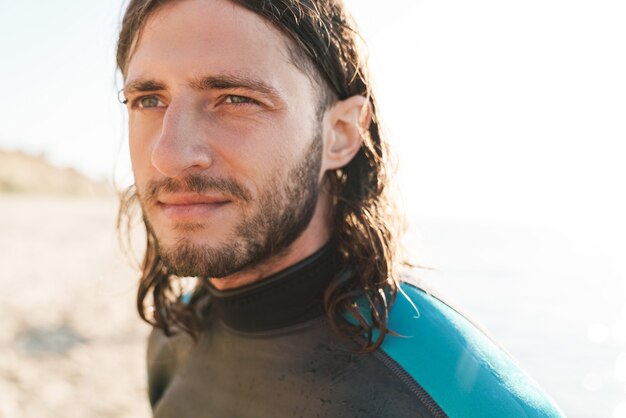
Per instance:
(314,237)
(266,268)
(289,297)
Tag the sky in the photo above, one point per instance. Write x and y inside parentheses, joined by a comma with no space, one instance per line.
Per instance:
(497,110)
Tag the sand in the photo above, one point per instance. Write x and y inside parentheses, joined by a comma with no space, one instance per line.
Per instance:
(72,344)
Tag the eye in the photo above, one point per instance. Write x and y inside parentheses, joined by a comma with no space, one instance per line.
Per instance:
(239,100)
(147,102)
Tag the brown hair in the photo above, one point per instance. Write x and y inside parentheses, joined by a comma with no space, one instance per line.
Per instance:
(365,225)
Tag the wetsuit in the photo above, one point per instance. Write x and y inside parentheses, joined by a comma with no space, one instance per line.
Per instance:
(267,350)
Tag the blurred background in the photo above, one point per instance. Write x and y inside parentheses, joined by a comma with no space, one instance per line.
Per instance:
(508,121)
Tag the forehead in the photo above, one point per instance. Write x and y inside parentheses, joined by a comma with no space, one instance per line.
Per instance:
(192,37)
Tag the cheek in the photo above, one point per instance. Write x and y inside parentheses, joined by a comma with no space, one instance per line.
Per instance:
(140,139)
(260,151)
(256,167)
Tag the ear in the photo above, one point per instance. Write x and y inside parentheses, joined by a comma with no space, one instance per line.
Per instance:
(345,125)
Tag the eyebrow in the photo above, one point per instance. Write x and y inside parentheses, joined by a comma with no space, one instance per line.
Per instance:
(222,82)
(143,85)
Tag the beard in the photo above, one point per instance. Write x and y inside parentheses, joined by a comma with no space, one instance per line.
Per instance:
(282,212)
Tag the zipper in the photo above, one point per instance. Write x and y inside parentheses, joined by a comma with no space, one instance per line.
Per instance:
(412,384)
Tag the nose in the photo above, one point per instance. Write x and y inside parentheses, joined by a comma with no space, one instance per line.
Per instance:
(181,147)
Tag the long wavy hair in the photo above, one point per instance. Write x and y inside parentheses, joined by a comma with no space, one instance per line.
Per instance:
(366,223)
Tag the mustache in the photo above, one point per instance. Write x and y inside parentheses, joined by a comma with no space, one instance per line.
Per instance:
(195,183)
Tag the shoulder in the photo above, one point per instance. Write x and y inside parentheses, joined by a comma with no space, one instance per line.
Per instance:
(164,355)
(167,348)
(460,367)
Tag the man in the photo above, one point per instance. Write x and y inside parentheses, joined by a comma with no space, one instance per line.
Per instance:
(260,171)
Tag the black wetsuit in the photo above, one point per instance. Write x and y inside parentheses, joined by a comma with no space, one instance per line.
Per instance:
(267,350)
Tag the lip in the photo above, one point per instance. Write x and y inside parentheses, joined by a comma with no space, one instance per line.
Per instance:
(190,206)
(184,199)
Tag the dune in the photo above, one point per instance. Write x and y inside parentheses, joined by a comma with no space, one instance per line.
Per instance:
(24,173)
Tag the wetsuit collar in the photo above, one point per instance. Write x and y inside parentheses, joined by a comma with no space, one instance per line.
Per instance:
(288,297)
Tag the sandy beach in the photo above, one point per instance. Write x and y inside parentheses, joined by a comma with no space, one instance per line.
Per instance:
(71,342)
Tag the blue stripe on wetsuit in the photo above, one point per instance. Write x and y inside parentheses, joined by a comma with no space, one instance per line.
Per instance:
(465,372)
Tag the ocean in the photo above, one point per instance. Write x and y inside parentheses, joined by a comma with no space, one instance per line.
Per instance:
(552,297)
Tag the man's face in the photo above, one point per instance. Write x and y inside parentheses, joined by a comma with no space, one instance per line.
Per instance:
(225,139)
